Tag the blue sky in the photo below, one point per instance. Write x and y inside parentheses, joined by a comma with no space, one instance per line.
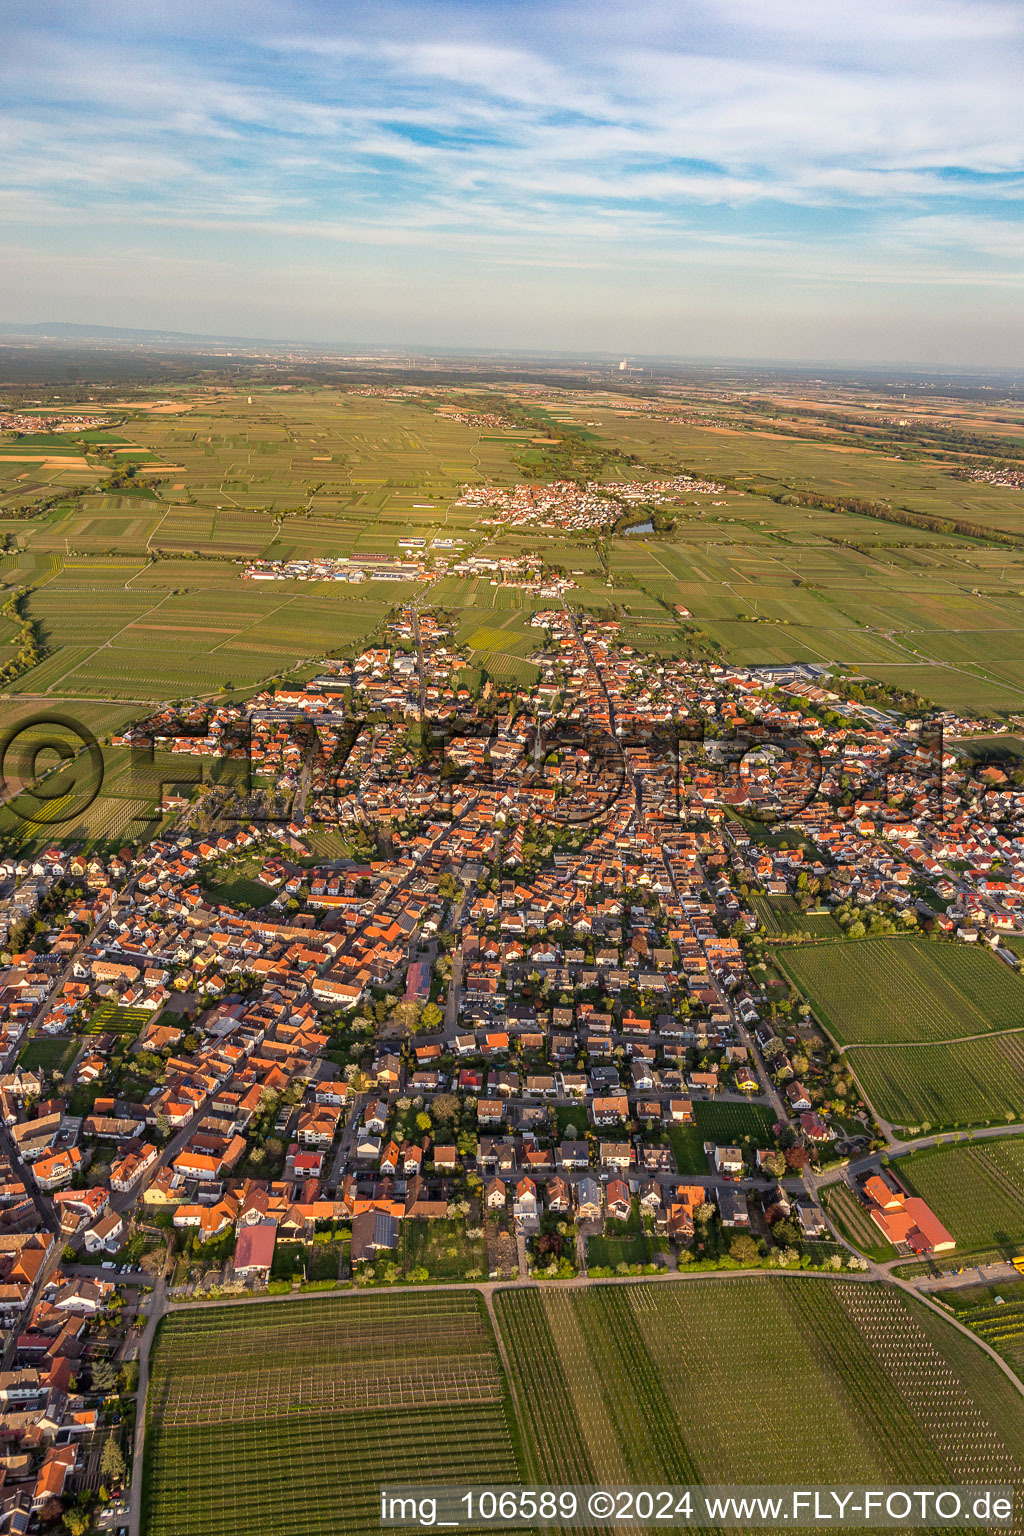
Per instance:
(807,179)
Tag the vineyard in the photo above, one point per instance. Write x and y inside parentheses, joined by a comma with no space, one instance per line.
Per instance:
(1000,1324)
(289,1417)
(974,1082)
(109,1019)
(893,991)
(781,916)
(850,1218)
(725,1122)
(976,1190)
(690,1383)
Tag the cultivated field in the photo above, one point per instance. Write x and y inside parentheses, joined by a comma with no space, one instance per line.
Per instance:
(977,1190)
(289,1417)
(781,916)
(1000,1324)
(850,1218)
(976,1082)
(897,990)
(109,1019)
(723,1121)
(137,596)
(689,1383)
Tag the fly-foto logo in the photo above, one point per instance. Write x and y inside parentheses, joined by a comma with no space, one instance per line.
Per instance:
(564,771)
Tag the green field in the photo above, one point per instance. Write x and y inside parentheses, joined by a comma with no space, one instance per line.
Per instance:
(976,1082)
(48,1053)
(976,1190)
(850,1218)
(999,1323)
(898,990)
(137,596)
(681,1383)
(250,1406)
(686,1383)
(723,1122)
(109,1019)
(781,916)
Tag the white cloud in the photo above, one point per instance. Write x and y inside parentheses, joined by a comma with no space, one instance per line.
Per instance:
(869,140)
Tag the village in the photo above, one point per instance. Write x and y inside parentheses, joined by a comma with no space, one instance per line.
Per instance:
(579,508)
(488,1004)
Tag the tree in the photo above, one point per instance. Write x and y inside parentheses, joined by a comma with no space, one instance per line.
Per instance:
(112,1462)
(431,1017)
(77,1521)
(406,1015)
(423,1121)
(104,1376)
(743,1250)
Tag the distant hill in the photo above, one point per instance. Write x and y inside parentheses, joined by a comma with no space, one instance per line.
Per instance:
(64,330)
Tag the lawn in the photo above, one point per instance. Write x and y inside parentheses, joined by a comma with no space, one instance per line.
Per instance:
(239,891)
(250,1408)
(724,1122)
(688,1383)
(894,990)
(975,1189)
(612,1251)
(48,1053)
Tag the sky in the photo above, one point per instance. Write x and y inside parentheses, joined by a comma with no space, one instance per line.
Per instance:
(817,180)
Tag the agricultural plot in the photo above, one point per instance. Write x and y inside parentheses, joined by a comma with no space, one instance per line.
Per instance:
(1000,1324)
(722,1121)
(688,1383)
(96,802)
(898,990)
(850,1218)
(973,1082)
(283,474)
(107,639)
(109,1019)
(290,1411)
(976,1190)
(782,916)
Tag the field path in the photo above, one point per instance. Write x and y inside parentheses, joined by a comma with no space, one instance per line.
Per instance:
(109,641)
(909,1045)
